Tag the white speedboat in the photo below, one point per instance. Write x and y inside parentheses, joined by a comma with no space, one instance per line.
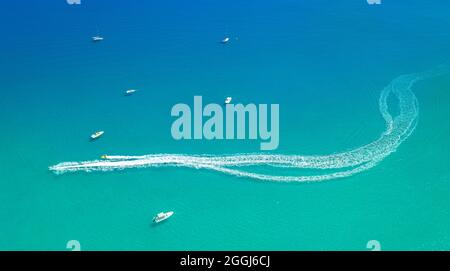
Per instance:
(225,40)
(130,91)
(97,38)
(228,100)
(162,216)
(97,135)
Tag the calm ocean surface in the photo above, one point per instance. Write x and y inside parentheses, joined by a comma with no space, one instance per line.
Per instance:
(324,62)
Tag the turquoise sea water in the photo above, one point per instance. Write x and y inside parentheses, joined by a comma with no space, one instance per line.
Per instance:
(324,62)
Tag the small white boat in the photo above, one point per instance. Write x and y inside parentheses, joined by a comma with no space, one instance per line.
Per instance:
(225,40)
(162,216)
(228,100)
(97,38)
(97,135)
(130,91)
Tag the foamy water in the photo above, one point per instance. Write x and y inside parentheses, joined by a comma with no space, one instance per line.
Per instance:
(344,164)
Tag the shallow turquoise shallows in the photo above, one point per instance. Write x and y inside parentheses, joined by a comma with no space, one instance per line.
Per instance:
(324,62)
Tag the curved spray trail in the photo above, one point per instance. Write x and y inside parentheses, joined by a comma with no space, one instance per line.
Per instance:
(343,164)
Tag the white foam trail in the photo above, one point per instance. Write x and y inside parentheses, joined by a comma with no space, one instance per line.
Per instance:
(343,164)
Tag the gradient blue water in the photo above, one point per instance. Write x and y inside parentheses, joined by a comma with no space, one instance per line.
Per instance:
(324,62)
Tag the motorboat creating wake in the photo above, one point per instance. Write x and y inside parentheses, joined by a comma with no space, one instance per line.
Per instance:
(338,165)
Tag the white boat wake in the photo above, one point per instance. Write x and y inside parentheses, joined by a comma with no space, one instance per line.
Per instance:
(338,165)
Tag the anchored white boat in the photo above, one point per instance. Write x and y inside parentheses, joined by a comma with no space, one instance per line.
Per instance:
(225,40)
(162,216)
(228,100)
(130,91)
(97,38)
(97,135)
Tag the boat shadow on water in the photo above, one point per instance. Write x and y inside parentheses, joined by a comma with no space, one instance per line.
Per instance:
(154,224)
